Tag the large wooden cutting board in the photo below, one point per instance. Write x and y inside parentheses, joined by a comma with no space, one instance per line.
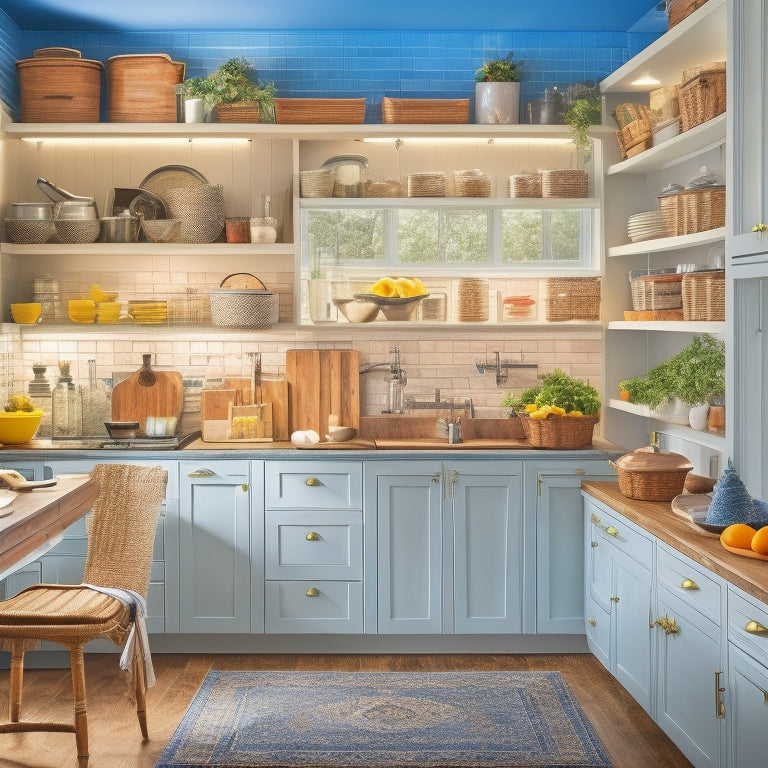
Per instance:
(323,382)
(132,401)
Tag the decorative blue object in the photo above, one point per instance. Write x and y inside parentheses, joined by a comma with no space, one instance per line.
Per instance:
(731,502)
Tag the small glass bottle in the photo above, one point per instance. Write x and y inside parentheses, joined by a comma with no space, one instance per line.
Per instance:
(66,413)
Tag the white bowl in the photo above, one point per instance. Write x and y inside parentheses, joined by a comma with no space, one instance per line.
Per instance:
(341,434)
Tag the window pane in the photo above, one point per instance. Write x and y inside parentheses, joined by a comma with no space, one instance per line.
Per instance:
(346,235)
(521,236)
(429,236)
(565,235)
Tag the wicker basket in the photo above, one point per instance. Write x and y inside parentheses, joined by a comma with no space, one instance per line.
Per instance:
(703,295)
(564,432)
(431,111)
(201,210)
(238,112)
(471,184)
(59,90)
(243,301)
(318,183)
(572,298)
(693,210)
(564,182)
(650,476)
(702,97)
(320,111)
(142,88)
(680,9)
(656,289)
(525,185)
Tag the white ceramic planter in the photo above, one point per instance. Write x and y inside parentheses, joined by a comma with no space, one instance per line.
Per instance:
(697,417)
(497,103)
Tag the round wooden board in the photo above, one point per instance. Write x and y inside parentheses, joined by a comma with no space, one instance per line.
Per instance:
(744,552)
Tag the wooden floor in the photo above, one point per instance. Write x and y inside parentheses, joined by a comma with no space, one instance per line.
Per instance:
(627,733)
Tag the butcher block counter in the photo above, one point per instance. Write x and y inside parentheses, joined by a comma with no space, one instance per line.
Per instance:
(657,518)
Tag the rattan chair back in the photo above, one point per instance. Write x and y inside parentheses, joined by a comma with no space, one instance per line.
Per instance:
(123,524)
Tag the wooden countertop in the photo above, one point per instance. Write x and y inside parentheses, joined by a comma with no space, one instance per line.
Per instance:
(657,518)
(41,514)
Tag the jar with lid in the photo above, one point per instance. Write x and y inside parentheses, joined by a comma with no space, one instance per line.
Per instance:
(66,411)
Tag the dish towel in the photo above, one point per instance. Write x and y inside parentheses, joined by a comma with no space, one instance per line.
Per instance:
(138,633)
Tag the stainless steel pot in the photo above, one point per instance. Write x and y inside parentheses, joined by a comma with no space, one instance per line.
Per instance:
(120,229)
(29,211)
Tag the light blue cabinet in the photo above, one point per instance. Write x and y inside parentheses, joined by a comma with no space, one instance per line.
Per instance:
(221,567)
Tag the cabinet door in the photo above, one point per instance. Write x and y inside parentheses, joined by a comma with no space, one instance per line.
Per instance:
(748,703)
(748,126)
(214,547)
(559,527)
(690,669)
(409,549)
(488,548)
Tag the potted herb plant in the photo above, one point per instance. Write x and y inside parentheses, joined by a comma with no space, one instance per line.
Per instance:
(580,115)
(235,92)
(497,92)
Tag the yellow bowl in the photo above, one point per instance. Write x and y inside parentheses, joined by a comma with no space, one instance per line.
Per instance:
(108,312)
(82,310)
(26,314)
(19,426)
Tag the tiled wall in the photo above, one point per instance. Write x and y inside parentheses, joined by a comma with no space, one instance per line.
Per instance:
(355,63)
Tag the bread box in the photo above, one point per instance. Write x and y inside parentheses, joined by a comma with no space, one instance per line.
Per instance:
(650,476)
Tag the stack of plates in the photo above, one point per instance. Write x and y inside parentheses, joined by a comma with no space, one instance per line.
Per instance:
(148,312)
(426,184)
(82,310)
(472,300)
(646,226)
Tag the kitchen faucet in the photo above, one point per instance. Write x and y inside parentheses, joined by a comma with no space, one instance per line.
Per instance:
(397,380)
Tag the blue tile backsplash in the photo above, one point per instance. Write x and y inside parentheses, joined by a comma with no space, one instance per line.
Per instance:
(410,64)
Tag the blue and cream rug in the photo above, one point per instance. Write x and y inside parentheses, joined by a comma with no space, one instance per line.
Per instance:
(378,719)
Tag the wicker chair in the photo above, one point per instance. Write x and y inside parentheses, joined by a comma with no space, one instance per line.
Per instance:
(121,535)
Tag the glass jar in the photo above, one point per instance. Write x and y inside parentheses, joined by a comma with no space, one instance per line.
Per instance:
(66,412)
(716,416)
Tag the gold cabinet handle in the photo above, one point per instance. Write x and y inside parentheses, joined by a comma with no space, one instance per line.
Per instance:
(614,598)
(755,628)
(313,536)
(612,530)
(719,700)
(313,592)
(670,626)
(311,481)
(592,622)
(689,584)
(202,473)
(244,487)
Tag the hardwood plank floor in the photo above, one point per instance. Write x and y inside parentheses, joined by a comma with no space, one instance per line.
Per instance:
(629,736)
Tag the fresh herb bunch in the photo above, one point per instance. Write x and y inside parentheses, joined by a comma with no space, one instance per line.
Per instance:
(583,112)
(20,403)
(505,70)
(691,375)
(558,389)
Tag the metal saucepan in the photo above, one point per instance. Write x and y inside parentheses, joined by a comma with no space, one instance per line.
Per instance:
(120,229)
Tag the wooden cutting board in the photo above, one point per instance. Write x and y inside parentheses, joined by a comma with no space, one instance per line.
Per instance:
(323,382)
(132,401)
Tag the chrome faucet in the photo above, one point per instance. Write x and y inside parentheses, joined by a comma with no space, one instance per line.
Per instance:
(397,381)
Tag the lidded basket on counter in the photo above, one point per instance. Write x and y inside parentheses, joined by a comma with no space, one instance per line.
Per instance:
(243,301)
(648,475)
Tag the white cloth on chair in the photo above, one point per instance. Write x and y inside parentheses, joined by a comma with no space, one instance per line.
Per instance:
(138,633)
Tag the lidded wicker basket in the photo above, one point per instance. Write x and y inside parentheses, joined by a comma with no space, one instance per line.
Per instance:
(650,476)
(142,88)
(243,301)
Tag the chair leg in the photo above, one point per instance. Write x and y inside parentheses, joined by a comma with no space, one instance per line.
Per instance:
(17,681)
(140,691)
(78,688)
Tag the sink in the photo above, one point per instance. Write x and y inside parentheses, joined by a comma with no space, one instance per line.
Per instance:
(426,443)
(408,427)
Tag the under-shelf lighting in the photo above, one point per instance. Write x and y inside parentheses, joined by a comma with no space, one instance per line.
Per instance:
(646,80)
(400,142)
(159,140)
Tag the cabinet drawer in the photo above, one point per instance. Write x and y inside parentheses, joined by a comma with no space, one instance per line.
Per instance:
(690,582)
(314,545)
(748,624)
(314,606)
(621,533)
(314,485)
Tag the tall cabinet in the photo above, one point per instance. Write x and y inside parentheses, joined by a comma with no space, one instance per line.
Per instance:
(632,186)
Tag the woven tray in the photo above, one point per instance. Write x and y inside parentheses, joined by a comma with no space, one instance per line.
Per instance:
(572,298)
(320,111)
(564,432)
(239,112)
(430,111)
(703,295)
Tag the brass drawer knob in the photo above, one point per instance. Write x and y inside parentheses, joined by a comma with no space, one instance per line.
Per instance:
(313,592)
(312,481)
(755,628)
(689,584)
(313,536)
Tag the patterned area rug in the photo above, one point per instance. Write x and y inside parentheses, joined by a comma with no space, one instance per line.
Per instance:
(377,719)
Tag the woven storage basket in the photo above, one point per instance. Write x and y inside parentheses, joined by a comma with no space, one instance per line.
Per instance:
(525,185)
(471,184)
(200,208)
(650,476)
(59,90)
(703,295)
(239,112)
(142,88)
(564,182)
(701,98)
(565,432)
(320,111)
(572,298)
(703,209)
(424,110)
(629,113)
(243,301)
(656,289)
(317,183)
(680,9)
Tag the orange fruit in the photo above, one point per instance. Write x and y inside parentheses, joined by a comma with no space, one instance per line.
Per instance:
(759,541)
(624,395)
(738,535)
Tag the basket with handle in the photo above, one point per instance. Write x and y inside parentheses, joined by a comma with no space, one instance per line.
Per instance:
(563,432)
(243,301)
